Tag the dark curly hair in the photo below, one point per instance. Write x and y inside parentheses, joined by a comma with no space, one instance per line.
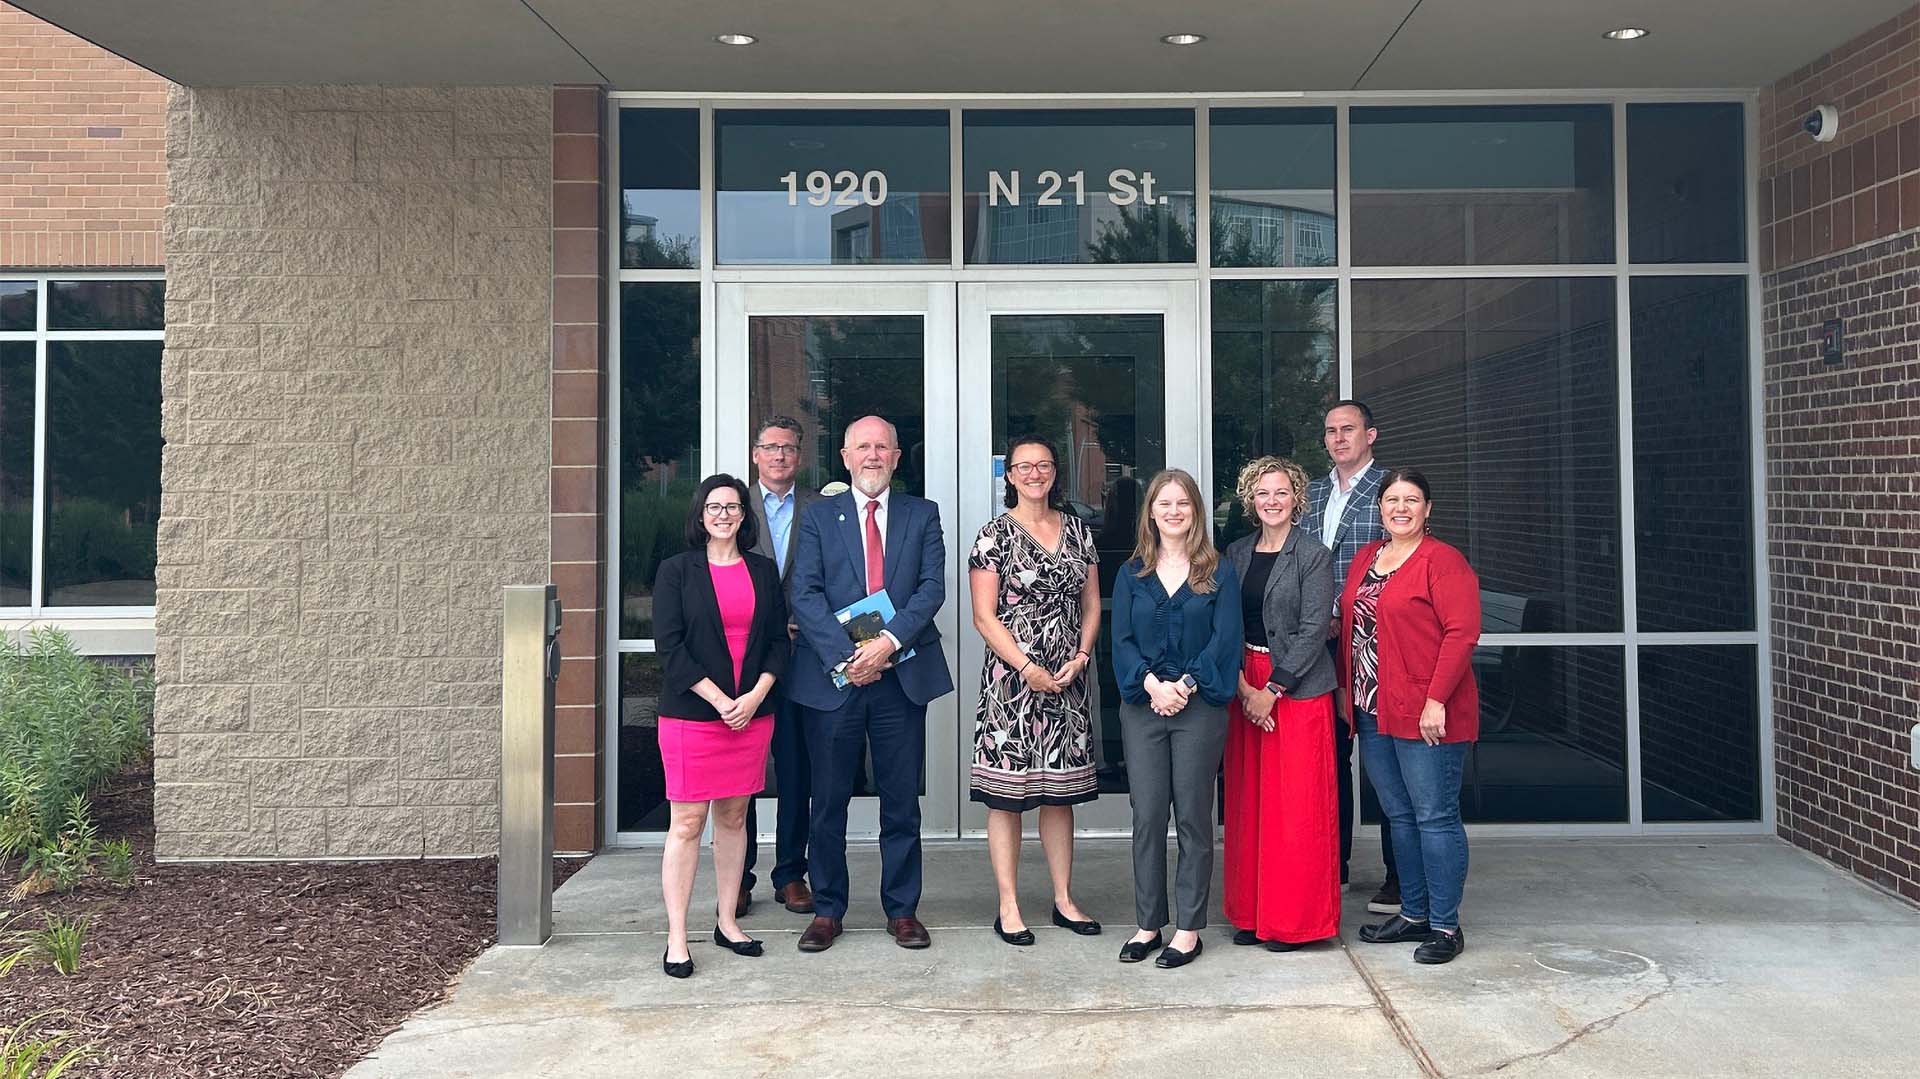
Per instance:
(1055,500)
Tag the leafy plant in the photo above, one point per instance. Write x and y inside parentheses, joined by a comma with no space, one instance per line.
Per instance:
(60,942)
(58,864)
(117,858)
(27,1056)
(66,723)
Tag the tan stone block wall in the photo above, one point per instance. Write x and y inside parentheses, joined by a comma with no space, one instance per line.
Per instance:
(357,392)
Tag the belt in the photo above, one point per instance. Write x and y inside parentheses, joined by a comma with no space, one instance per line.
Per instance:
(1258,648)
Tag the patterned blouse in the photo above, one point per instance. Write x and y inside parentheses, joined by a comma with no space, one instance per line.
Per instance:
(1366,636)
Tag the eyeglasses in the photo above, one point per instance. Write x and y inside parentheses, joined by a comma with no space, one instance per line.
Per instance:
(778,448)
(1028,468)
(724,509)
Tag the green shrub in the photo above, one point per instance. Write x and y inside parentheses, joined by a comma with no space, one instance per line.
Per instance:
(28,1056)
(60,942)
(117,861)
(66,723)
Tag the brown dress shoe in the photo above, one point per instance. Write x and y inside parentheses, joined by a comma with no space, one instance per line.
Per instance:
(908,932)
(819,934)
(796,897)
(744,904)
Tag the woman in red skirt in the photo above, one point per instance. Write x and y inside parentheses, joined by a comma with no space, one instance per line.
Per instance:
(1282,836)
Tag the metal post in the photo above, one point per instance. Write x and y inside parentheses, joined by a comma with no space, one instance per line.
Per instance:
(529,666)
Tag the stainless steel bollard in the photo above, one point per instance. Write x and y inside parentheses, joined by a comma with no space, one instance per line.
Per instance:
(530,664)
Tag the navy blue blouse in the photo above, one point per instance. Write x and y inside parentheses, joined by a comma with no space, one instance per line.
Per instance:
(1175,635)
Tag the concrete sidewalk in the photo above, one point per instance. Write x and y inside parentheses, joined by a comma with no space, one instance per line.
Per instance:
(1585,958)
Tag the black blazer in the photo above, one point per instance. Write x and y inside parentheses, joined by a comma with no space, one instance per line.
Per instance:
(692,642)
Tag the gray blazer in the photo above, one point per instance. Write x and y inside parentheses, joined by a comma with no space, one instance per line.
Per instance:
(1300,592)
(763,541)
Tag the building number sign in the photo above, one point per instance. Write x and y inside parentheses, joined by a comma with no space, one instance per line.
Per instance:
(848,188)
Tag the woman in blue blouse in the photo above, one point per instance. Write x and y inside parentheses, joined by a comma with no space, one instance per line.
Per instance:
(1176,655)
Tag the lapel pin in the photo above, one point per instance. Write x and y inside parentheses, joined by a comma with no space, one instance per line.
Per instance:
(843,517)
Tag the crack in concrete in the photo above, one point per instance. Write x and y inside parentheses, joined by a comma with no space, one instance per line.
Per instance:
(1402,1029)
(1598,1026)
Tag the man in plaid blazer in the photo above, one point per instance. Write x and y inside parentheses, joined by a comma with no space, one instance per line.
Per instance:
(1344,514)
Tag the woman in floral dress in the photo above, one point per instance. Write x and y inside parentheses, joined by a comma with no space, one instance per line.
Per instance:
(1036,601)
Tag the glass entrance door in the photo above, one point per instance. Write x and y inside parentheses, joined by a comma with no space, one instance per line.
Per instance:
(1107,373)
(826,355)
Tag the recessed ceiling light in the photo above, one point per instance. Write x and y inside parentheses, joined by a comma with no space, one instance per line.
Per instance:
(735,39)
(1626,33)
(1183,39)
(806,144)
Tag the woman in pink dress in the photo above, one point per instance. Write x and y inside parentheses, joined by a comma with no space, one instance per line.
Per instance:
(720,629)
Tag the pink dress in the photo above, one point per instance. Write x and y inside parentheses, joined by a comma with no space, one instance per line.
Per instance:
(704,759)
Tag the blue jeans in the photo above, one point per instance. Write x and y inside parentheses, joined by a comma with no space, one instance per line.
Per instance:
(1419,789)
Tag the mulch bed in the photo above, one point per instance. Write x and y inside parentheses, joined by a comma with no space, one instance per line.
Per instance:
(248,969)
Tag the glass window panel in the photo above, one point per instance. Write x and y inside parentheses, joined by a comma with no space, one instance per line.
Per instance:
(1553,737)
(643,805)
(1482,186)
(1699,732)
(818,187)
(1273,179)
(660,188)
(17,302)
(16,473)
(1504,392)
(1693,508)
(659,436)
(1686,183)
(106,305)
(1095,385)
(1274,377)
(1084,185)
(827,371)
(103,473)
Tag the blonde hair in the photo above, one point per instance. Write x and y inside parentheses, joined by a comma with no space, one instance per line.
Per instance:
(1202,557)
(1258,469)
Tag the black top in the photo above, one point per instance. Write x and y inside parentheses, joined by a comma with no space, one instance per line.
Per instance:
(1253,596)
(692,641)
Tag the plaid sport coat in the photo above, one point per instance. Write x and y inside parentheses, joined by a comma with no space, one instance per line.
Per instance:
(1359,522)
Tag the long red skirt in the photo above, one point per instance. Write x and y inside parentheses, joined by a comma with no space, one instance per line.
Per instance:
(1282,827)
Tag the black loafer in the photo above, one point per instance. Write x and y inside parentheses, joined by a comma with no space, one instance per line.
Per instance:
(749,947)
(1396,930)
(1134,951)
(1442,947)
(1019,939)
(1245,937)
(683,969)
(1088,928)
(1171,957)
(1284,946)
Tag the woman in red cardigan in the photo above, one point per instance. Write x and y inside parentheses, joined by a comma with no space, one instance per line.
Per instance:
(1409,620)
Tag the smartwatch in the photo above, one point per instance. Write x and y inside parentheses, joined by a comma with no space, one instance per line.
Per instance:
(1187,680)
(1275,689)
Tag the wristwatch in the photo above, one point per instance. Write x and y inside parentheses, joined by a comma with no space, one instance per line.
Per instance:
(1187,680)
(1276,689)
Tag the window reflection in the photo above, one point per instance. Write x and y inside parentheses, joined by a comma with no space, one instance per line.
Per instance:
(1700,732)
(103,473)
(1273,178)
(16,473)
(1274,377)
(1094,385)
(642,795)
(660,188)
(1686,183)
(1504,392)
(106,305)
(1083,185)
(659,436)
(17,305)
(827,371)
(1482,186)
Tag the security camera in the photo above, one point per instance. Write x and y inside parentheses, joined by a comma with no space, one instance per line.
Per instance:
(1823,123)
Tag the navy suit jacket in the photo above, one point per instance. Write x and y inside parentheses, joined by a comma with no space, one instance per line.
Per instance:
(829,571)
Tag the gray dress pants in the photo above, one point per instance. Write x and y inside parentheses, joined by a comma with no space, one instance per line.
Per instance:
(1171,763)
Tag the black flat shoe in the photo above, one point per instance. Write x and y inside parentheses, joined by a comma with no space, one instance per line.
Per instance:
(682,969)
(750,948)
(1442,947)
(1018,939)
(1244,937)
(1134,951)
(1283,946)
(1396,930)
(1170,958)
(1088,928)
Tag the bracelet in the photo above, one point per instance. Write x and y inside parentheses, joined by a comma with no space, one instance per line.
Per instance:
(1083,652)
(1024,666)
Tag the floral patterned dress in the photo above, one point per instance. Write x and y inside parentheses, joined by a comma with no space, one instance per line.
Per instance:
(1033,749)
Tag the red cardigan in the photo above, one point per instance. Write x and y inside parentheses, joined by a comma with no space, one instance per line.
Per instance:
(1429,622)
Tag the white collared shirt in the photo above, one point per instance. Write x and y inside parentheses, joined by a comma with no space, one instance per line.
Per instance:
(1339,494)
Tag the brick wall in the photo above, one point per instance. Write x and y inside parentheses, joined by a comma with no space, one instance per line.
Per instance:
(357,381)
(1843,452)
(83,169)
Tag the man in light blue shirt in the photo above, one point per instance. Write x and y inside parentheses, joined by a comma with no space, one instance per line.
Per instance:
(777,501)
